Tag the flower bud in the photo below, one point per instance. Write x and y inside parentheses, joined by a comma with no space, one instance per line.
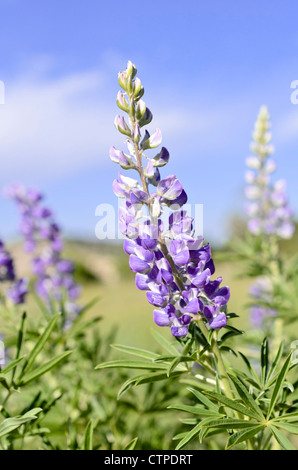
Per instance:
(253,162)
(121,125)
(122,103)
(125,161)
(136,134)
(140,109)
(131,69)
(138,90)
(122,80)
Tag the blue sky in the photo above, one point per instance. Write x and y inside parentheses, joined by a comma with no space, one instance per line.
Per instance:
(207,67)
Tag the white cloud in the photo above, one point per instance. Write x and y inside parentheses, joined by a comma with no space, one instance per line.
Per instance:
(51,126)
(54,125)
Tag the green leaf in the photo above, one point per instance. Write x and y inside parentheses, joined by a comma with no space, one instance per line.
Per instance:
(203,399)
(10,424)
(245,435)
(199,383)
(157,376)
(27,378)
(19,342)
(173,365)
(250,368)
(246,397)
(292,428)
(132,365)
(136,351)
(146,378)
(4,383)
(164,342)
(131,445)
(288,417)
(88,438)
(240,374)
(39,345)
(12,365)
(230,424)
(234,330)
(264,360)
(276,359)
(196,410)
(233,404)
(281,439)
(189,436)
(279,385)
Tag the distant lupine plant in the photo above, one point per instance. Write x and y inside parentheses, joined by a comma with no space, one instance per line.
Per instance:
(42,238)
(270,219)
(174,267)
(268,209)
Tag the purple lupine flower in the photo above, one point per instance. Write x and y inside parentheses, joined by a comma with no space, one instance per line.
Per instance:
(42,237)
(267,208)
(17,288)
(17,292)
(261,292)
(172,265)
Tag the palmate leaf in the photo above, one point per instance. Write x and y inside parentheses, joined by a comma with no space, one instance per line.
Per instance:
(10,424)
(281,438)
(243,435)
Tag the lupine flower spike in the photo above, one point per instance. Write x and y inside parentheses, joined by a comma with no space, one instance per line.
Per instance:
(267,208)
(269,215)
(172,265)
(42,238)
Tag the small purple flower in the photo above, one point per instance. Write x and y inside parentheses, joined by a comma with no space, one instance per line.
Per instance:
(17,292)
(18,288)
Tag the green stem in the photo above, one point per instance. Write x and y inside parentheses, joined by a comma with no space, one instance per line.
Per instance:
(219,362)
